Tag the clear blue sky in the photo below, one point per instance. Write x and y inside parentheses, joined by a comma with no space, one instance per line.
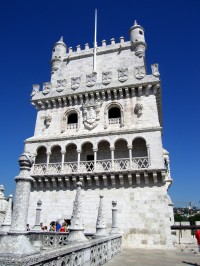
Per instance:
(28,30)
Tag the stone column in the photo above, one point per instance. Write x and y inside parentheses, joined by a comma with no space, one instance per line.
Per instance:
(3,204)
(48,158)
(101,223)
(112,156)
(16,243)
(76,230)
(63,159)
(114,229)
(148,153)
(5,227)
(78,159)
(37,217)
(130,155)
(95,158)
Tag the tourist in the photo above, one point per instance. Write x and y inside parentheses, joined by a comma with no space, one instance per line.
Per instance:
(27,227)
(63,227)
(58,226)
(198,238)
(52,226)
(45,228)
(41,226)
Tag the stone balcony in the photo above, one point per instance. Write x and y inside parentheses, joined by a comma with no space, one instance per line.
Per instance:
(98,166)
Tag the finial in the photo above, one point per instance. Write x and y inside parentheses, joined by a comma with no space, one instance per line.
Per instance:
(1,187)
(135,23)
(61,39)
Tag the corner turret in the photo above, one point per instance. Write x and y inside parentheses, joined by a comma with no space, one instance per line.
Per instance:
(59,51)
(137,39)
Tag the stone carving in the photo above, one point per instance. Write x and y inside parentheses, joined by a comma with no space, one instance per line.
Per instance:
(91,113)
(5,227)
(123,74)
(77,225)
(101,223)
(115,229)
(155,70)
(140,72)
(138,109)
(61,84)
(46,87)
(47,120)
(37,217)
(91,79)
(75,82)
(36,88)
(106,77)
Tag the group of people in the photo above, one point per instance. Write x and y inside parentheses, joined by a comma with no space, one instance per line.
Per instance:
(54,226)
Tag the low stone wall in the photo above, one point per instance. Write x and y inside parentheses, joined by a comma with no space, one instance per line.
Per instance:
(92,253)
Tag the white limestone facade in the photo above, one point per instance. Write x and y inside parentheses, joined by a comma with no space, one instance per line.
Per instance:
(101,124)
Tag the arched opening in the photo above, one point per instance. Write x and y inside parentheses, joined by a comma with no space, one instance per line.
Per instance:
(87,157)
(70,163)
(41,156)
(140,154)
(121,161)
(103,156)
(72,121)
(114,115)
(56,156)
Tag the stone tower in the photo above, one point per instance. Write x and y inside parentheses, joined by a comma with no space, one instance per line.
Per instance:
(103,128)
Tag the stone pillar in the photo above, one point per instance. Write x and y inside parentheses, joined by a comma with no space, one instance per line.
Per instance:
(5,227)
(16,243)
(114,229)
(76,230)
(101,223)
(48,158)
(112,156)
(3,204)
(148,153)
(37,217)
(78,159)
(63,159)
(95,158)
(130,155)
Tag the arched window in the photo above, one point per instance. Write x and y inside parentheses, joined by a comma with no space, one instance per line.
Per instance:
(72,121)
(114,116)
(41,156)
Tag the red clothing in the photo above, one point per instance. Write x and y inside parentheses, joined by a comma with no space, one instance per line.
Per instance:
(62,229)
(198,236)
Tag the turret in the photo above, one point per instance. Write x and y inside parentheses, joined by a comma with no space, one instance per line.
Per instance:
(137,39)
(59,51)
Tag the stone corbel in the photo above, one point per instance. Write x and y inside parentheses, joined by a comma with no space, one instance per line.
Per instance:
(103,95)
(92,96)
(53,180)
(132,91)
(59,102)
(130,179)
(137,178)
(115,94)
(140,91)
(81,179)
(81,98)
(105,181)
(155,88)
(97,95)
(155,178)
(86,97)
(60,182)
(121,93)
(146,179)
(53,102)
(65,101)
(112,177)
(48,103)
(67,181)
(70,100)
(147,90)
(75,100)
(47,183)
(127,92)
(74,180)
(121,179)
(109,94)
(89,180)
(96,178)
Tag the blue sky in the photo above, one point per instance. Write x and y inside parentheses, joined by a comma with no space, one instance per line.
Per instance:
(30,28)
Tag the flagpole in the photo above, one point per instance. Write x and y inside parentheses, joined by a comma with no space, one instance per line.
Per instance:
(95,42)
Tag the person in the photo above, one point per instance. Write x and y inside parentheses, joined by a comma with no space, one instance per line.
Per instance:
(198,238)
(52,226)
(45,228)
(63,227)
(58,226)
(27,227)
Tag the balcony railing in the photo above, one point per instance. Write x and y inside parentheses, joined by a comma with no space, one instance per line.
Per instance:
(121,164)
(113,121)
(72,126)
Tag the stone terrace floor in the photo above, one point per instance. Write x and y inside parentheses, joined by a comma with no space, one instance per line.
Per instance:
(179,256)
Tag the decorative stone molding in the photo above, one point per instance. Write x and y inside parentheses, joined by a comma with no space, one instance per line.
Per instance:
(46,87)
(5,227)
(61,84)
(123,74)
(91,113)
(139,72)
(75,82)
(65,118)
(47,120)
(36,88)
(155,70)
(109,106)
(138,109)
(91,79)
(106,77)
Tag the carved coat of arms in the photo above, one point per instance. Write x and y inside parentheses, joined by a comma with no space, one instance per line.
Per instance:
(140,72)
(46,87)
(75,82)
(61,84)
(155,70)
(91,116)
(123,74)
(91,79)
(36,88)
(106,77)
